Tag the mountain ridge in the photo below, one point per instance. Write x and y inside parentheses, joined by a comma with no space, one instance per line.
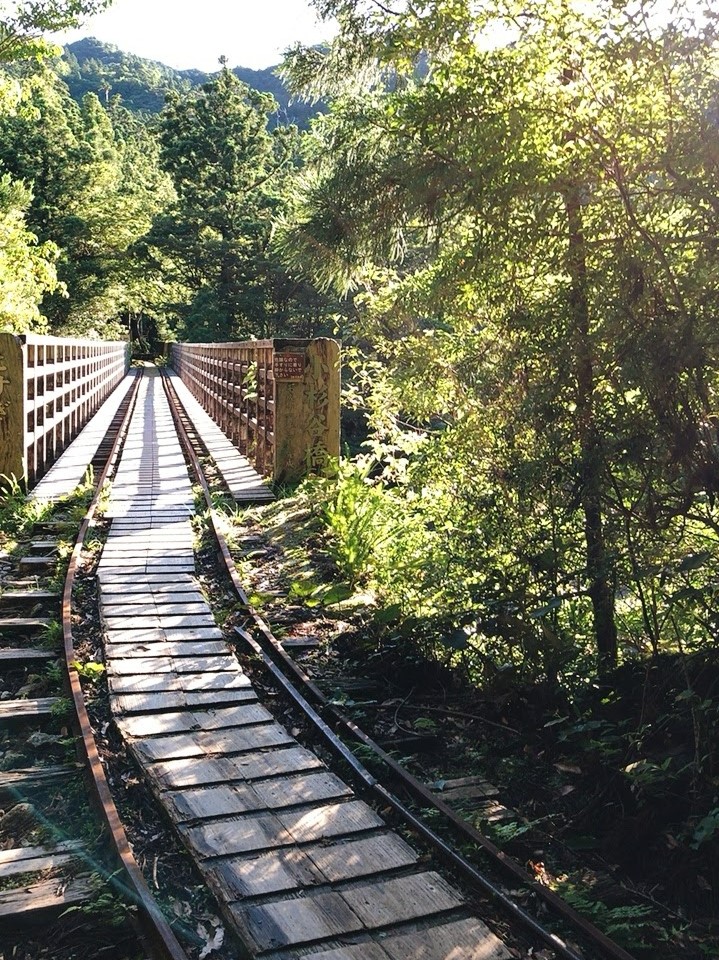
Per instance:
(90,65)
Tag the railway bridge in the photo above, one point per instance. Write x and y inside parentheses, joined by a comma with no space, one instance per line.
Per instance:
(300,854)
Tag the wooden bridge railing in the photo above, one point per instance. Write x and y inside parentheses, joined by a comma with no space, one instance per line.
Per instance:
(49,388)
(278,401)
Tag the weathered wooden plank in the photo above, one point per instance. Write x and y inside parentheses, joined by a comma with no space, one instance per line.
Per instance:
(13,655)
(156,635)
(132,635)
(461,940)
(30,853)
(170,682)
(156,724)
(195,773)
(214,681)
(191,634)
(309,788)
(46,895)
(112,585)
(145,683)
(242,835)
(131,666)
(132,602)
(464,788)
(161,650)
(301,643)
(147,519)
(143,568)
(357,858)
(479,792)
(289,923)
(43,545)
(25,782)
(43,860)
(151,702)
(241,798)
(209,743)
(36,564)
(153,608)
(379,903)
(179,532)
(171,535)
(147,558)
(215,801)
(10,597)
(333,820)
(26,709)
(162,544)
(279,871)
(23,624)
(361,951)
(159,623)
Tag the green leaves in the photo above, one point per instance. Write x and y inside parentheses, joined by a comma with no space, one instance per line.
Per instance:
(228,171)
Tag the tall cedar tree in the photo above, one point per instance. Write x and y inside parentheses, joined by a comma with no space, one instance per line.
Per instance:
(226,168)
(526,196)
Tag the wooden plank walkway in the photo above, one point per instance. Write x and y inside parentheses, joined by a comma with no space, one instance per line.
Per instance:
(243,481)
(299,862)
(67,472)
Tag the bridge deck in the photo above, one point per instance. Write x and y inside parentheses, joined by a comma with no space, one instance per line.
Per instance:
(304,867)
(69,469)
(243,481)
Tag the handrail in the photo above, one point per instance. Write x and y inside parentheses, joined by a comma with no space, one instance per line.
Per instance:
(50,387)
(278,401)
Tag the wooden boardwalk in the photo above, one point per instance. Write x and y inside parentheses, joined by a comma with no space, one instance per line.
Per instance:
(243,481)
(303,867)
(67,472)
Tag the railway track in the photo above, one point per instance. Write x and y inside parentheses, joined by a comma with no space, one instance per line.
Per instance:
(290,841)
(59,884)
(330,724)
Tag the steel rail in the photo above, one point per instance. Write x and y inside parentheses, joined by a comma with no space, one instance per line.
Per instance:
(154,926)
(600,940)
(450,856)
(425,796)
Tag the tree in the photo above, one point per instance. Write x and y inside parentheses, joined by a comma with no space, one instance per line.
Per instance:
(22,25)
(227,170)
(95,193)
(530,222)
(27,269)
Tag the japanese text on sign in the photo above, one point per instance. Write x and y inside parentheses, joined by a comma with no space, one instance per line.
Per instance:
(288,366)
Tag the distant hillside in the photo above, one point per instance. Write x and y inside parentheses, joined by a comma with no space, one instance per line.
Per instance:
(90,66)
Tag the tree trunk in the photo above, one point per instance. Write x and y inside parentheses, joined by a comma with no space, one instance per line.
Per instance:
(599,563)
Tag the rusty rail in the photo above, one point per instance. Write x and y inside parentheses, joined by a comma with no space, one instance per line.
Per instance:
(50,387)
(271,651)
(156,929)
(276,400)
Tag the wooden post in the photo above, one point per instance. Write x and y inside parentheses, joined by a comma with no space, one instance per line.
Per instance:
(12,415)
(307,407)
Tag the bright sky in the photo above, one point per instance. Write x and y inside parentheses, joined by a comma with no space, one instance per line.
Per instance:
(185,34)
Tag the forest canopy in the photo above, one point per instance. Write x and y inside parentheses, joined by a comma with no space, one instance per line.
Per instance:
(528,226)
(509,211)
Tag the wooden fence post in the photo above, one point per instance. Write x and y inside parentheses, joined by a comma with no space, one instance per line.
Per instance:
(12,417)
(307,407)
